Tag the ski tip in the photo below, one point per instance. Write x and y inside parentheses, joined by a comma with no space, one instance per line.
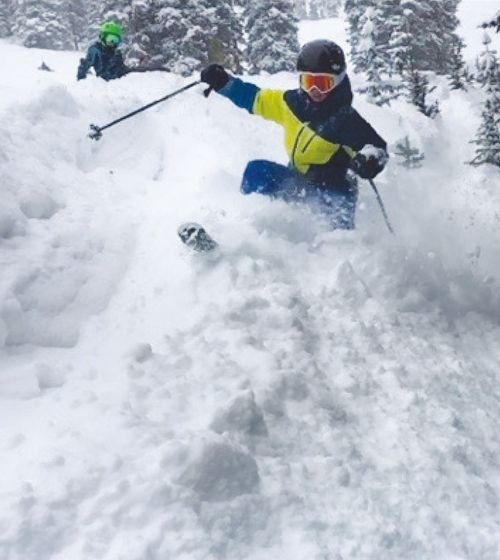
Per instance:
(195,237)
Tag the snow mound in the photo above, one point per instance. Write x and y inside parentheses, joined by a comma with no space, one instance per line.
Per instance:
(221,471)
(306,394)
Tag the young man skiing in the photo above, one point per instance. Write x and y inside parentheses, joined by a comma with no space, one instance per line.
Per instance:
(104,55)
(325,137)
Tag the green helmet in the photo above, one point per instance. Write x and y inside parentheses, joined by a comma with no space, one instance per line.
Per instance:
(110,28)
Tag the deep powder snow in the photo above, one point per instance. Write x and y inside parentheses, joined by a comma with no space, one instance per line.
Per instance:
(300,394)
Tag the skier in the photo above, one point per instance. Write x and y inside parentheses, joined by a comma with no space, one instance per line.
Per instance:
(104,55)
(325,138)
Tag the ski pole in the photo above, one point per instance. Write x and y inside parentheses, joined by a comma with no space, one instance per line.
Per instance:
(143,69)
(96,131)
(382,207)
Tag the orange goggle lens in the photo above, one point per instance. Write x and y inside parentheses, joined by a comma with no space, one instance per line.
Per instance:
(322,82)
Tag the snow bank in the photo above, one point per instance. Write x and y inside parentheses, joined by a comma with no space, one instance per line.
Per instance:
(303,394)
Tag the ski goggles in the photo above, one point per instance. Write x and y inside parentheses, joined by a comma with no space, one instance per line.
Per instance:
(324,83)
(112,40)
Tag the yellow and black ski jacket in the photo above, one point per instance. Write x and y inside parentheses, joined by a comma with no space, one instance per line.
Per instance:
(320,138)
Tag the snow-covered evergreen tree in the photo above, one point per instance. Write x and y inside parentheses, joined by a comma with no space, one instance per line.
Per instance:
(417,84)
(458,72)
(94,18)
(488,136)
(317,9)
(424,33)
(41,24)
(487,67)
(380,88)
(301,9)
(144,34)
(401,44)
(183,48)
(5,18)
(441,23)
(116,10)
(355,11)
(272,42)
(225,34)
(197,32)
(75,12)
(411,158)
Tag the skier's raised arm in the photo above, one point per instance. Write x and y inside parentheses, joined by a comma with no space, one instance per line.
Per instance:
(267,103)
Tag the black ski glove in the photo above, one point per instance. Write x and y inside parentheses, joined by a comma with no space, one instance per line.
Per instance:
(368,166)
(82,72)
(215,76)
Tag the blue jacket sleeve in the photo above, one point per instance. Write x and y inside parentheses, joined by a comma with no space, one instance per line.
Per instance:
(91,60)
(241,93)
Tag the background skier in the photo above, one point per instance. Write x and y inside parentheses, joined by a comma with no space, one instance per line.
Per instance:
(104,55)
(324,136)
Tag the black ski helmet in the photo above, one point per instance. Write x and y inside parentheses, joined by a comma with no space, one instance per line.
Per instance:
(321,57)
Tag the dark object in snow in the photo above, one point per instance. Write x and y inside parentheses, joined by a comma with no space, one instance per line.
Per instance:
(44,67)
(493,23)
(411,157)
(195,237)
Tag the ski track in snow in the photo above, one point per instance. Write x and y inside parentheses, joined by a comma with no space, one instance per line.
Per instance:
(299,394)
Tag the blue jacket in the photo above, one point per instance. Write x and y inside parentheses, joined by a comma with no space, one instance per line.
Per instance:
(107,62)
(321,139)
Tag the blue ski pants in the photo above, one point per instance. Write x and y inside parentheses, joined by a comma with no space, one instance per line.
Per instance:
(278,181)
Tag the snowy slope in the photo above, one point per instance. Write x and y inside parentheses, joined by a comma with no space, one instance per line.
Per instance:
(303,395)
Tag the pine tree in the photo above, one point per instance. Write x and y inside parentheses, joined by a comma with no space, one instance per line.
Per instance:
(183,48)
(331,8)
(75,13)
(358,12)
(487,67)
(424,32)
(401,44)
(271,27)
(301,9)
(39,24)
(417,84)
(317,9)
(225,35)
(94,18)
(144,34)
(355,10)
(488,136)
(458,71)
(116,10)
(380,89)
(411,158)
(5,18)
(197,32)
